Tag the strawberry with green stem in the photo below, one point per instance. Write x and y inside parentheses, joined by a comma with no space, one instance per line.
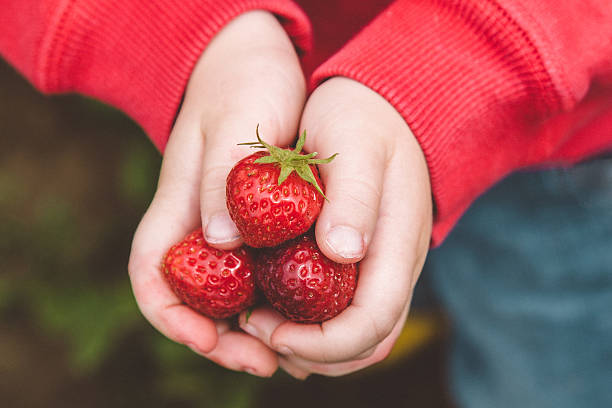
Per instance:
(275,195)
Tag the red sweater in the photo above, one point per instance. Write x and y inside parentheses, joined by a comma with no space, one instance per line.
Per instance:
(487,86)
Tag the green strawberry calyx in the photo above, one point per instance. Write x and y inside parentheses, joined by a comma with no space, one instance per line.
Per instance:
(290,160)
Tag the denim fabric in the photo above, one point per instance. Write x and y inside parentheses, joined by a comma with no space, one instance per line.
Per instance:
(526,277)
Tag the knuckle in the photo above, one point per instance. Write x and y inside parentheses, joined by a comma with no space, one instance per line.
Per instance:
(355,190)
(382,353)
(382,328)
(332,349)
(134,264)
(215,174)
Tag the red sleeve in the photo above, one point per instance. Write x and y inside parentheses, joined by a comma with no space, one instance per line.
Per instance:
(489,86)
(136,55)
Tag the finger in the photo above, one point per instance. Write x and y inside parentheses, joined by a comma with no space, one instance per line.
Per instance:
(301,368)
(353,185)
(261,323)
(353,180)
(241,352)
(387,273)
(220,154)
(293,369)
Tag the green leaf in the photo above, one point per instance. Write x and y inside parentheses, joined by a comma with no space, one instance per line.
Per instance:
(266,160)
(308,157)
(305,172)
(290,160)
(284,173)
(324,161)
(300,143)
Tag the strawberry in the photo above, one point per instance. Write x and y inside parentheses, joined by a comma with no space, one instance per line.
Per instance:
(302,283)
(276,195)
(214,282)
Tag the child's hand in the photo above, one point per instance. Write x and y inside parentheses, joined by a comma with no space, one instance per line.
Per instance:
(248,74)
(379,212)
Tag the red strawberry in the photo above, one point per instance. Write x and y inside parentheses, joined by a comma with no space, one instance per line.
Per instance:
(215,282)
(274,196)
(302,283)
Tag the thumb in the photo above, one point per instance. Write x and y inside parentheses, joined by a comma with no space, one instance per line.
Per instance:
(345,117)
(221,152)
(248,75)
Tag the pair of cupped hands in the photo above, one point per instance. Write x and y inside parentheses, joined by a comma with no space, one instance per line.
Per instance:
(379,210)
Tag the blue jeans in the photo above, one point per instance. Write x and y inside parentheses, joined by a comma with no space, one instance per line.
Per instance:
(526,278)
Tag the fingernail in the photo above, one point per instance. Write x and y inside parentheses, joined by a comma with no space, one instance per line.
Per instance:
(221,229)
(249,329)
(345,241)
(194,348)
(284,350)
(251,371)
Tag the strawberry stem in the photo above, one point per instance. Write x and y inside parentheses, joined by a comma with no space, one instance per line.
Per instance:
(290,160)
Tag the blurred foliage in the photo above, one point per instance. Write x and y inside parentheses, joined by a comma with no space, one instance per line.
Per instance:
(138,167)
(200,381)
(91,318)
